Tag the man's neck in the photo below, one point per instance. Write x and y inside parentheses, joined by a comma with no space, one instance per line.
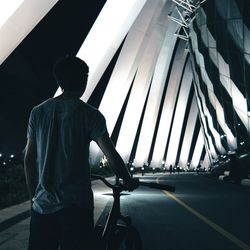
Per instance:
(66,95)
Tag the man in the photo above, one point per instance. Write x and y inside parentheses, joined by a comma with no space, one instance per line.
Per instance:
(56,162)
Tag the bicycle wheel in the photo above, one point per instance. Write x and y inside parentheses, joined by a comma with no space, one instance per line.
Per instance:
(125,238)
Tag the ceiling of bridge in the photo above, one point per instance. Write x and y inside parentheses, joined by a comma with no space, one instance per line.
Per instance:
(141,78)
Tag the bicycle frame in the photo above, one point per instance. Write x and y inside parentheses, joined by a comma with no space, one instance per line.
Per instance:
(115,213)
(111,226)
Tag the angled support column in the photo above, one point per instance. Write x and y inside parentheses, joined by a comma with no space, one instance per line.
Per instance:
(20,21)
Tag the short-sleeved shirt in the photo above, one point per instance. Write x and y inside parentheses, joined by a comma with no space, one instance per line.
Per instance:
(62,130)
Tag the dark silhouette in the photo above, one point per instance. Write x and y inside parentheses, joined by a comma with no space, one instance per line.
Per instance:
(235,174)
(143,168)
(178,169)
(153,170)
(56,162)
(170,169)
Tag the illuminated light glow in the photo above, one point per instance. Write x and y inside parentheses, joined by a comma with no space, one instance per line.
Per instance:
(198,150)
(58,92)
(19,18)
(7,8)
(231,140)
(209,118)
(105,37)
(139,54)
(205,78)
(155,95)
(221,120)
(210,143)
(243,117)
(240,104)
(179,114)
(189,131)
(220,117)
(137,97)
(168,107)
(206,162)
(239,101)
(127,61)
(124,71)
(126,66)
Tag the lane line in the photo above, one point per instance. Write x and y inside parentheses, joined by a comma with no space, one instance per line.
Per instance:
(216,227)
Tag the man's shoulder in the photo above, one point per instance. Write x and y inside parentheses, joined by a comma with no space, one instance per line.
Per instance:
(41,105)
(47,105)
(90,109)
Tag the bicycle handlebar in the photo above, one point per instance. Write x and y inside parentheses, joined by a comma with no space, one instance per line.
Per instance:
(141,183)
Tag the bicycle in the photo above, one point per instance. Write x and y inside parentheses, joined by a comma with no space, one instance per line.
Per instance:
(114,235)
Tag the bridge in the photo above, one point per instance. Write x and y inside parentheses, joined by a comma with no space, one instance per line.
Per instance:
(172,80)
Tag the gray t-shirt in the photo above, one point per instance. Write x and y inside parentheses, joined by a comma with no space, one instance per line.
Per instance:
(62,130)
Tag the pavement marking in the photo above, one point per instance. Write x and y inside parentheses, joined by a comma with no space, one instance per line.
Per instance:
(14,220)
(216,227)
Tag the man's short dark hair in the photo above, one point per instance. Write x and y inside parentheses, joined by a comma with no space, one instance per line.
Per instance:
(71,73)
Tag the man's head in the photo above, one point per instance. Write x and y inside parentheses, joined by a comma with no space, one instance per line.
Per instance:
(71,73)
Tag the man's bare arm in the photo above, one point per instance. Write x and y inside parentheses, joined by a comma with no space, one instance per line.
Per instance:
(30,167)
(113,157)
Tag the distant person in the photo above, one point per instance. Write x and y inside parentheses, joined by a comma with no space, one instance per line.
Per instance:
(56,163)
(170,169)
(198,169)
(174,168)
(235,174)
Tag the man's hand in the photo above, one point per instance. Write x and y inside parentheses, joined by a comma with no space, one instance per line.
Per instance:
(131,184)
